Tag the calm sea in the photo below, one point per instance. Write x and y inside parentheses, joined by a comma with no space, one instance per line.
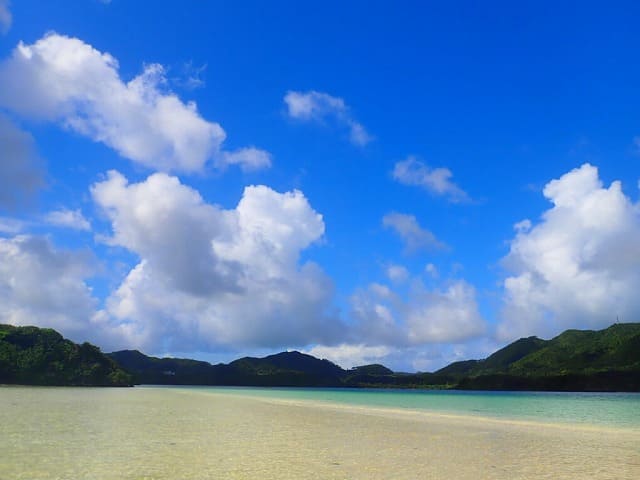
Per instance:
(602,409)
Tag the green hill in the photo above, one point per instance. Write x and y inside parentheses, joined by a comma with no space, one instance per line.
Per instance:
(165,371)
(576,360)
(41,356)
(282,369)
(606,359)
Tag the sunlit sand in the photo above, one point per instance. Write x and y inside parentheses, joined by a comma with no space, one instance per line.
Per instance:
(186,434)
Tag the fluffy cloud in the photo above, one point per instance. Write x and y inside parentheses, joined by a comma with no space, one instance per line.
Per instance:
(42,285)
(66,218)
(249,159)
(412,234)
(351,355)
(423,329)
(436,181)
(318,107)
(20,172)
(579,266)
(405,358)
(5,17)
(65,80)
(214,278)
(424,316)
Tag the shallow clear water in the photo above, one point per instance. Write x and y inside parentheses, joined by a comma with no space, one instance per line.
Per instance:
(603,409)
(190,433)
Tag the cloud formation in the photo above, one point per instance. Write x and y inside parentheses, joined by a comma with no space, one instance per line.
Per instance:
(579,266)
(20,169)
(447,314)
(213,278)
(436,181)
(64,80)
(313,106)
(412,234)
(66,218)
(248,159)
(46,286)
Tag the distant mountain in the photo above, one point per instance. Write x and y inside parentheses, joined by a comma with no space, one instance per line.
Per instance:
(606,359)
(41,356)
(498,361)
(576,360)
(282,369)
(165,371)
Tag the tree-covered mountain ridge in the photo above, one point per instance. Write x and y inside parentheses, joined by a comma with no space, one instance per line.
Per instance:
(576,360)
(41,356)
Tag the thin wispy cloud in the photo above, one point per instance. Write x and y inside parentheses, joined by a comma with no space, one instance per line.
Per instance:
(437,181)
(6,19)
(66,218)
(415,237)
(313,106)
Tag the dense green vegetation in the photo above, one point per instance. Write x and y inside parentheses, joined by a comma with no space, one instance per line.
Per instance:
(579,360)
(606,360)
(41,356)
(282,369)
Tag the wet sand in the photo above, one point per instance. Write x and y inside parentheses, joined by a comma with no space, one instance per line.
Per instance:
(185,434)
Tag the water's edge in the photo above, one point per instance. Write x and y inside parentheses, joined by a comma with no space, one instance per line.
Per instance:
(617,410)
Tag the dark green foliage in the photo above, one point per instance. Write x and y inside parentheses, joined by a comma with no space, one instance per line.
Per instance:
(459,369)
(41,356)
(584,352)
(165,371)
(576,360)
(510,354)
(282,369)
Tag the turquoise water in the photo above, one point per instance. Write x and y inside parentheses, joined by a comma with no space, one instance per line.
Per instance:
(601,409)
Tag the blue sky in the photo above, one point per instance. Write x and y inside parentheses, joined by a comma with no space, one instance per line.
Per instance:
(408,184)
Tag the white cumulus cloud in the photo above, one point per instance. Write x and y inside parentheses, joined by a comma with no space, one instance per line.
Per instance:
(351,355)
(579,265)
(64,80)
(445,314)
(210,277)
(436,181)
(313,106)
(45,286)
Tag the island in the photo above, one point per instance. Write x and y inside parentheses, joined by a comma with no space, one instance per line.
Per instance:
(576,360)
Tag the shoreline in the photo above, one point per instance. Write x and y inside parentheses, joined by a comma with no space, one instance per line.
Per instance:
(419,414)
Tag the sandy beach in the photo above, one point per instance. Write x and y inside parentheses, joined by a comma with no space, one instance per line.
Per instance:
(184,434)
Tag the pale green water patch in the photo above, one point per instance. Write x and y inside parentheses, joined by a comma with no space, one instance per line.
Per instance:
(621,410)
